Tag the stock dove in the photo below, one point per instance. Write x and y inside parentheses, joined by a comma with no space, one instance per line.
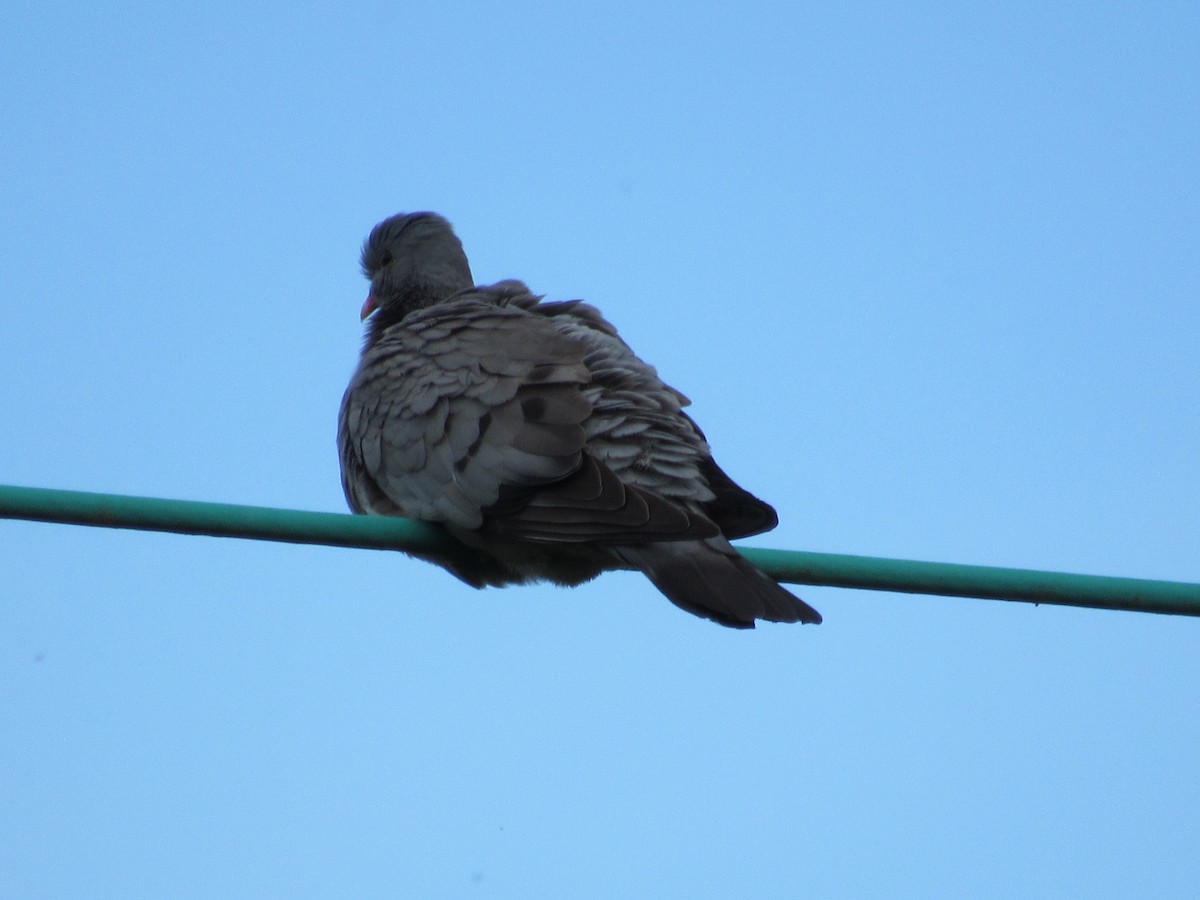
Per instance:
(539,442)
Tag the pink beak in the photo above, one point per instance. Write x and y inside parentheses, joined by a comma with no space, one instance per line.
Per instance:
(368,307)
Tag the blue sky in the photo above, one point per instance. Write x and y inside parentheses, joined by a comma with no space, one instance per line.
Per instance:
(929,274)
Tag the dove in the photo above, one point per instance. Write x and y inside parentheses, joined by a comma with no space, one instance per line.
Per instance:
(531,433)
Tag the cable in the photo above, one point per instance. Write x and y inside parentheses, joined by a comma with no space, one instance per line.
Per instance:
(799,567)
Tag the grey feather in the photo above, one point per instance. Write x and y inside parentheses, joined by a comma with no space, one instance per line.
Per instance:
(533,434)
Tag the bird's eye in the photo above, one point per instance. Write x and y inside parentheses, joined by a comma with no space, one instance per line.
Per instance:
(386,259)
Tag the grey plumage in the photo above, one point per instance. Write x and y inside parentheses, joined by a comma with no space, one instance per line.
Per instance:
(537,439)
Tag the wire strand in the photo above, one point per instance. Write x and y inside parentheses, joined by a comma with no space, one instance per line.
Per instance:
(799,567)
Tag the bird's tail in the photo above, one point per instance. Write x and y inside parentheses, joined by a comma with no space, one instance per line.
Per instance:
(710,579)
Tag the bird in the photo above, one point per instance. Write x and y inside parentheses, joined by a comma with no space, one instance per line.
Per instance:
(536,439)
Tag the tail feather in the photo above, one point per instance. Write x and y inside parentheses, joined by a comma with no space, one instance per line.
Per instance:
(710,579)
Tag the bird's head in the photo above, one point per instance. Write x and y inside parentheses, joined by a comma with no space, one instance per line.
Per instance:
(412,260)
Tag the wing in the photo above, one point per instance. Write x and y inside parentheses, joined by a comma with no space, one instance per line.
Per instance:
(638,427)
(473,414)
(738,512)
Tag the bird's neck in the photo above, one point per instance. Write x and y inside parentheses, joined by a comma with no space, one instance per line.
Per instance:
(397,308)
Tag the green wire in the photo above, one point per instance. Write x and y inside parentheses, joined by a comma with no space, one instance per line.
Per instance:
(799,567)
